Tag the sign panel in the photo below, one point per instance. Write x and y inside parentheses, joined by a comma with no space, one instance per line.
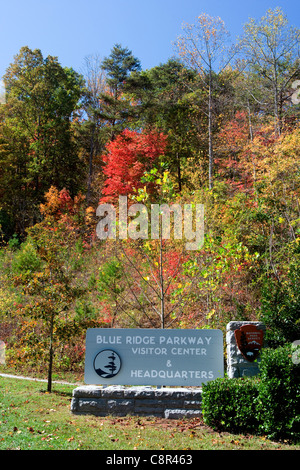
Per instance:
(153,357)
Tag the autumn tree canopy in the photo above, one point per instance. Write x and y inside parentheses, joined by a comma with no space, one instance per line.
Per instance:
(37,149)
(127,158)
(216,125)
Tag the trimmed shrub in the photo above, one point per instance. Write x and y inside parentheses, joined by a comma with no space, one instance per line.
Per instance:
(268,404)
(279,394)
(230,404)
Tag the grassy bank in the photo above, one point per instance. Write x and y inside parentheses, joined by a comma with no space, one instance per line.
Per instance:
(31,419)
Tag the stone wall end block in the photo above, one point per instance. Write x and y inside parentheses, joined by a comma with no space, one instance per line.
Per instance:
(178,414)
(85,391)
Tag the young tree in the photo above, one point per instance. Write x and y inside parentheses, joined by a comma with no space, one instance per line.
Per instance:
(202,46)
(48,285)
(271,50)
(92,128)
(47,270)
(147,277)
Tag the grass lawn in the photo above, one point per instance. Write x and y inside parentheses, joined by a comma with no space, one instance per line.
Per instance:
(31,419)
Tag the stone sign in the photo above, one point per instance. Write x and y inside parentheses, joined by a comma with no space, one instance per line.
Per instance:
(249,340)
(153,357)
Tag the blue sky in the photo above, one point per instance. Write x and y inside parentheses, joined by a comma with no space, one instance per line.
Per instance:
(74,29)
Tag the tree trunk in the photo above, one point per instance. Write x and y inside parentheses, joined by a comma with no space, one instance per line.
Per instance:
(179,173)
(90,176)
(277,123)
(49,387)
(210,144)
(161,275)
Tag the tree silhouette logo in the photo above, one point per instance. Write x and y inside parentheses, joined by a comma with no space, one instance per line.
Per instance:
(107,364)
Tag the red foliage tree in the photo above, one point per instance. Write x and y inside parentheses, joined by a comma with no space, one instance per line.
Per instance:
(127,158)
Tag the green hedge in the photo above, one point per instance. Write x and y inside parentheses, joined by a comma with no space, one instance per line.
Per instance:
(230,405)
(268,404)
(279,394)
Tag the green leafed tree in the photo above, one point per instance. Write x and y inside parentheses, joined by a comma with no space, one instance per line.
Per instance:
(159,93)
(270,48)
(204,47)
(37,148)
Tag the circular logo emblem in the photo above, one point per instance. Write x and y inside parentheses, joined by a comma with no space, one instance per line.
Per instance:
(107,364)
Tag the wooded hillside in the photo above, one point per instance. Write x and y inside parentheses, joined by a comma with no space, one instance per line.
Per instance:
(217,124)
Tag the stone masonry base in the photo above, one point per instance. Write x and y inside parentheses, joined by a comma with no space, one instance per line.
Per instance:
(170,403)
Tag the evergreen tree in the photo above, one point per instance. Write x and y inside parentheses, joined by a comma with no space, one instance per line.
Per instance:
(117,107)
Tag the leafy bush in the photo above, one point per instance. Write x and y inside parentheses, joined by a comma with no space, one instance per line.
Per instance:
(230,404)
(279,394)
(281,304)
(268,404)
(26,259)
(14,242)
